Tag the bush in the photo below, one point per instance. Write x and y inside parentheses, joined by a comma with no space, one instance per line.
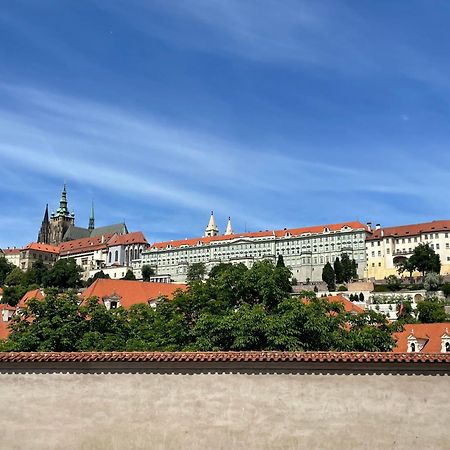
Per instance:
(432,281)
(380,288)
(342,288)
(446,289)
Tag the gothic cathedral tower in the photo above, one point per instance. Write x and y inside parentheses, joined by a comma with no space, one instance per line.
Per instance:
(44,232)
(61,221)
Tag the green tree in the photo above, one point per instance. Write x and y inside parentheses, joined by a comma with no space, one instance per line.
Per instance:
(432,281)
(280,261)
(196,272)
(329,277)
(13,294)
(52,324)
(36,274)
(147,272)
(393,283)
(129,275)
(97,276)
(338,271)
(354,270)
(424,259)
(65,274)
(347,268)
(446,289)
(15,278)
(5,269)
(431,311)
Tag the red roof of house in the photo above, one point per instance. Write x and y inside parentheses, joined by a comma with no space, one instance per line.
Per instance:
(267,233)
(430,332)
(131,292)
(4,326)
(411,230)
(348,305)
(85,244)
(35,293)
(136,237)
(47,248)
(11,251)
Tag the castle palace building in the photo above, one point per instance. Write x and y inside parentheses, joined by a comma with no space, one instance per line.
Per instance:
(60,226)
(305,250)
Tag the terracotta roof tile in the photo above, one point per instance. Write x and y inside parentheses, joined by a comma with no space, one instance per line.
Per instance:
(131,292)
(431,332)
(35,293)
(85,244)
(11,251)
(411,230)
(136,237)
(42,247)
(275,233)
(334,357)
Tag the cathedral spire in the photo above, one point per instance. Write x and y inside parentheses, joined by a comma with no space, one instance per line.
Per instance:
(229,229)
(62,210)
(43,236)
(92,218)
(211,229)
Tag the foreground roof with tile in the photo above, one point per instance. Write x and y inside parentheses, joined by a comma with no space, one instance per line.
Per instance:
(84,244)
(11,251)
(137,237)
(131,292)
(319,229)
(42,247)
(348,305)
(431,333)
(226,357)
(35,293)
(411,230)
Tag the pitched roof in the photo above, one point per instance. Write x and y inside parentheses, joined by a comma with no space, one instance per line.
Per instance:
(84,245)
(131,292)
(35,293)
(74,232)
(47,248)
(136,237)
(118,228)
(11,251)
(411,230)
(429,332)
(319,229)
(348,305)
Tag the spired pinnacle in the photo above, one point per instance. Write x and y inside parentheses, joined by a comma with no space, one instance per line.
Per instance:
(92,218)
(211,229)
(229,229)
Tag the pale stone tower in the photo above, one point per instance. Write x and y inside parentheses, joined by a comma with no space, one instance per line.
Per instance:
(211,229)
(229,229)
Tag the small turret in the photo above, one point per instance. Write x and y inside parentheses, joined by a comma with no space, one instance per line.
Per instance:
(229,229)
(211,229)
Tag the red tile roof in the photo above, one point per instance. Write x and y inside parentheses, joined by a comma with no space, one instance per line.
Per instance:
(411,230)
(348,305)
(275,233)
(42,247)
(11,251)
(430,332)
(131,292)
(36,293)
(136,237)
(85,244)
(227,357)
(4,326)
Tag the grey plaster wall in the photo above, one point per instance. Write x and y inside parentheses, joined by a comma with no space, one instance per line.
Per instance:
(223,411)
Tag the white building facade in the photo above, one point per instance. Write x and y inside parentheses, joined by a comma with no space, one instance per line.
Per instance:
(305,250)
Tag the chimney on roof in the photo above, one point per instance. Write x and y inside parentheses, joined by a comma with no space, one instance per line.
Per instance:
(103,238)
(377,226)
(369,226)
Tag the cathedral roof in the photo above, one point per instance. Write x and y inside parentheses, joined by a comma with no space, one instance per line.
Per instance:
(74,232)
(118,228)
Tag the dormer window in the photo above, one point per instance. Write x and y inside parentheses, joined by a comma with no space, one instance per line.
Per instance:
(447,346)
(113,305)
(413,347)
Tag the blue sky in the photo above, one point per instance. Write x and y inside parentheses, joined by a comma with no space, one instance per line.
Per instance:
(280,114)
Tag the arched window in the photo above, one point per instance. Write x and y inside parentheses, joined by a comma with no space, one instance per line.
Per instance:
(110,256)
(447,346)
(116,256)
(413,347)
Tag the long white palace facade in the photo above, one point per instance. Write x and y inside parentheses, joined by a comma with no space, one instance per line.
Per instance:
(305,250)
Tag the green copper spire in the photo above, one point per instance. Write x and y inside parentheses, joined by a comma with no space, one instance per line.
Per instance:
(62,210)
(92,219)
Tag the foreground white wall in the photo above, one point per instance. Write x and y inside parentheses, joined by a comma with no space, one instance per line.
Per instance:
(223,411)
